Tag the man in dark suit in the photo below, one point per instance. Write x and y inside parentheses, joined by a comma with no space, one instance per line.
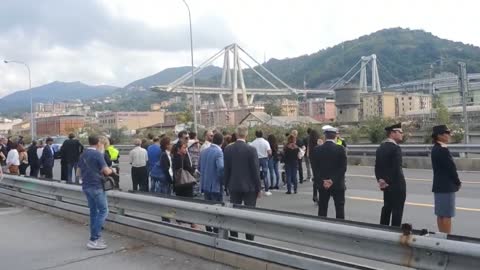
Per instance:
(389,174)
(242,173)
(47,160)
(70,153)
(329,164)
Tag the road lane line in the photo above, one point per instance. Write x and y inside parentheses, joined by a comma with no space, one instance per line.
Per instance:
(410,203)
(408,179)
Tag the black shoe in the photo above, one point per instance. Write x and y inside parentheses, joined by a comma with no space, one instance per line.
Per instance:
(315,199)
(288,192)
(277,187)
(295,192)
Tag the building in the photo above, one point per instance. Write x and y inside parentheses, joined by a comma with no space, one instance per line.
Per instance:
(320,109)
(392,104)
(6,125)
(226,116)
(22,128)
(129,120)
(412,102)
(261,118)
(289,107)
(378,104)
(59,125)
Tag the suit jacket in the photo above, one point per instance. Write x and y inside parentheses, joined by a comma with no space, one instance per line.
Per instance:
(211,169)
(445,176)
(242,172)
(47,160)
(388,166)
(71,150)
(329,161)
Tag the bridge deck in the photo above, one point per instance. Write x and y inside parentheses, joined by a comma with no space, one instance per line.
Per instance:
(35,240)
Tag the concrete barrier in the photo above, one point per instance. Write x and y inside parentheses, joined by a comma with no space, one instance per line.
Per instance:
(463,164)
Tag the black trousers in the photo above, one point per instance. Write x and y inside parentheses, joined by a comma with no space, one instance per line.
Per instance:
(48,172)
(300,171)
(393,203)
(140,178)
(34,170)
(23,168)
(246,198)
(338,198)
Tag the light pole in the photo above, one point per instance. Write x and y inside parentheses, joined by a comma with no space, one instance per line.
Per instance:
(32,118)
(193,70)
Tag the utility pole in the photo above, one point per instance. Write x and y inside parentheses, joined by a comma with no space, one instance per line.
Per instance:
(463,86)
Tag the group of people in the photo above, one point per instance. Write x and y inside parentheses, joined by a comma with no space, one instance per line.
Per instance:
(16,158)
(228,164)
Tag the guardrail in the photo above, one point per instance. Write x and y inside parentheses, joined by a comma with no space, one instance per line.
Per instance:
(369,149)
(361,240)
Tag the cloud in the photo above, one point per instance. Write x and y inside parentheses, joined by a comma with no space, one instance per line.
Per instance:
(75,24)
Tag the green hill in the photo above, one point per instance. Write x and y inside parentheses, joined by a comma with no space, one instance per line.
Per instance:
(403,55)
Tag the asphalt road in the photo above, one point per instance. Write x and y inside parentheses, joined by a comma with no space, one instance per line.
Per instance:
(364,199)
(41,241)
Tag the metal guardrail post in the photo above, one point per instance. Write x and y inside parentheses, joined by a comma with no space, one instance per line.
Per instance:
(223,233)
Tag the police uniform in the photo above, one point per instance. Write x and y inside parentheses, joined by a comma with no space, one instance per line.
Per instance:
(329,161)
(388,166)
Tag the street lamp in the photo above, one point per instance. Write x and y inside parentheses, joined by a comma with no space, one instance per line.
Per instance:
(32,118)
(193,70)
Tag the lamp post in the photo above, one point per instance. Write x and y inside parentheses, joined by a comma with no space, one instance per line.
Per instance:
(193,70)
(32,118)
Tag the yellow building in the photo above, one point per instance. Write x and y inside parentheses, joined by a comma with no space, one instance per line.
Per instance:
(391,104)
(129,120)
(381,104)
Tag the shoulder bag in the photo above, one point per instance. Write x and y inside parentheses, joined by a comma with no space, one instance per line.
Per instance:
(183,177)
(108,182)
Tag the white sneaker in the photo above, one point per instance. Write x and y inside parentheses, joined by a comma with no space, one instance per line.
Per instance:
(97,245)
(268,193)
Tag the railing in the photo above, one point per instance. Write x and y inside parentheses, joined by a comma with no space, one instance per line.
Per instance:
(407,149)
(373,242)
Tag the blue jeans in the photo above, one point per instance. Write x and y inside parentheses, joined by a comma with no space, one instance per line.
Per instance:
(97,202)
(72,167)
(213,196)
(291,173)
(263,162)
(273,170)
(160,185)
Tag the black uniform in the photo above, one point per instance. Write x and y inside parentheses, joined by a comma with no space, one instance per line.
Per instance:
(329,161)
(388,166)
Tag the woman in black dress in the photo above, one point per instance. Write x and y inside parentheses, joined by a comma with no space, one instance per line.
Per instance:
(445,179)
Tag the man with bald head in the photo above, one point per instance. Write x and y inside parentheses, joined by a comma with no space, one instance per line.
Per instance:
(138,159)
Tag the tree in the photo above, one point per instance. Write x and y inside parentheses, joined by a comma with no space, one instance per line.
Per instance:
(443,116)
(273,109)
(185,117)
(375,128)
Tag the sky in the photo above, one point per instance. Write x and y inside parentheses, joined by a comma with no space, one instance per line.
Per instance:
(117,42)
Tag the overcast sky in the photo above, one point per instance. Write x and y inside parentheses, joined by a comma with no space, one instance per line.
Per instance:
(116,42)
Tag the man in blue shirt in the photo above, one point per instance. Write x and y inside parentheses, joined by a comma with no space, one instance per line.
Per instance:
(92,168)
(210,166)
(154,152)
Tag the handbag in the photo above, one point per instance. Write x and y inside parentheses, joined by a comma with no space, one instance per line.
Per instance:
(183,177)
(108,182)
(301,153)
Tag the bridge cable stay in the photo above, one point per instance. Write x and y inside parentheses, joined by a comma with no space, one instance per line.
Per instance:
(268,71)
(396,79)
(259,74)
(345,75)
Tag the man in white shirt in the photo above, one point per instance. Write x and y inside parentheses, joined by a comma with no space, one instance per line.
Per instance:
(263,151)
(138,159)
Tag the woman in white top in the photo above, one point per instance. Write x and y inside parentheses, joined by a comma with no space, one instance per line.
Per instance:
(13,160)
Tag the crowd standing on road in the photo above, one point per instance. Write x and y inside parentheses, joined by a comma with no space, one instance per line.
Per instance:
(226,164)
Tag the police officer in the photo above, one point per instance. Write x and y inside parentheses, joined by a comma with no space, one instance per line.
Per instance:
(114,156)
(389,174)
(329,164)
